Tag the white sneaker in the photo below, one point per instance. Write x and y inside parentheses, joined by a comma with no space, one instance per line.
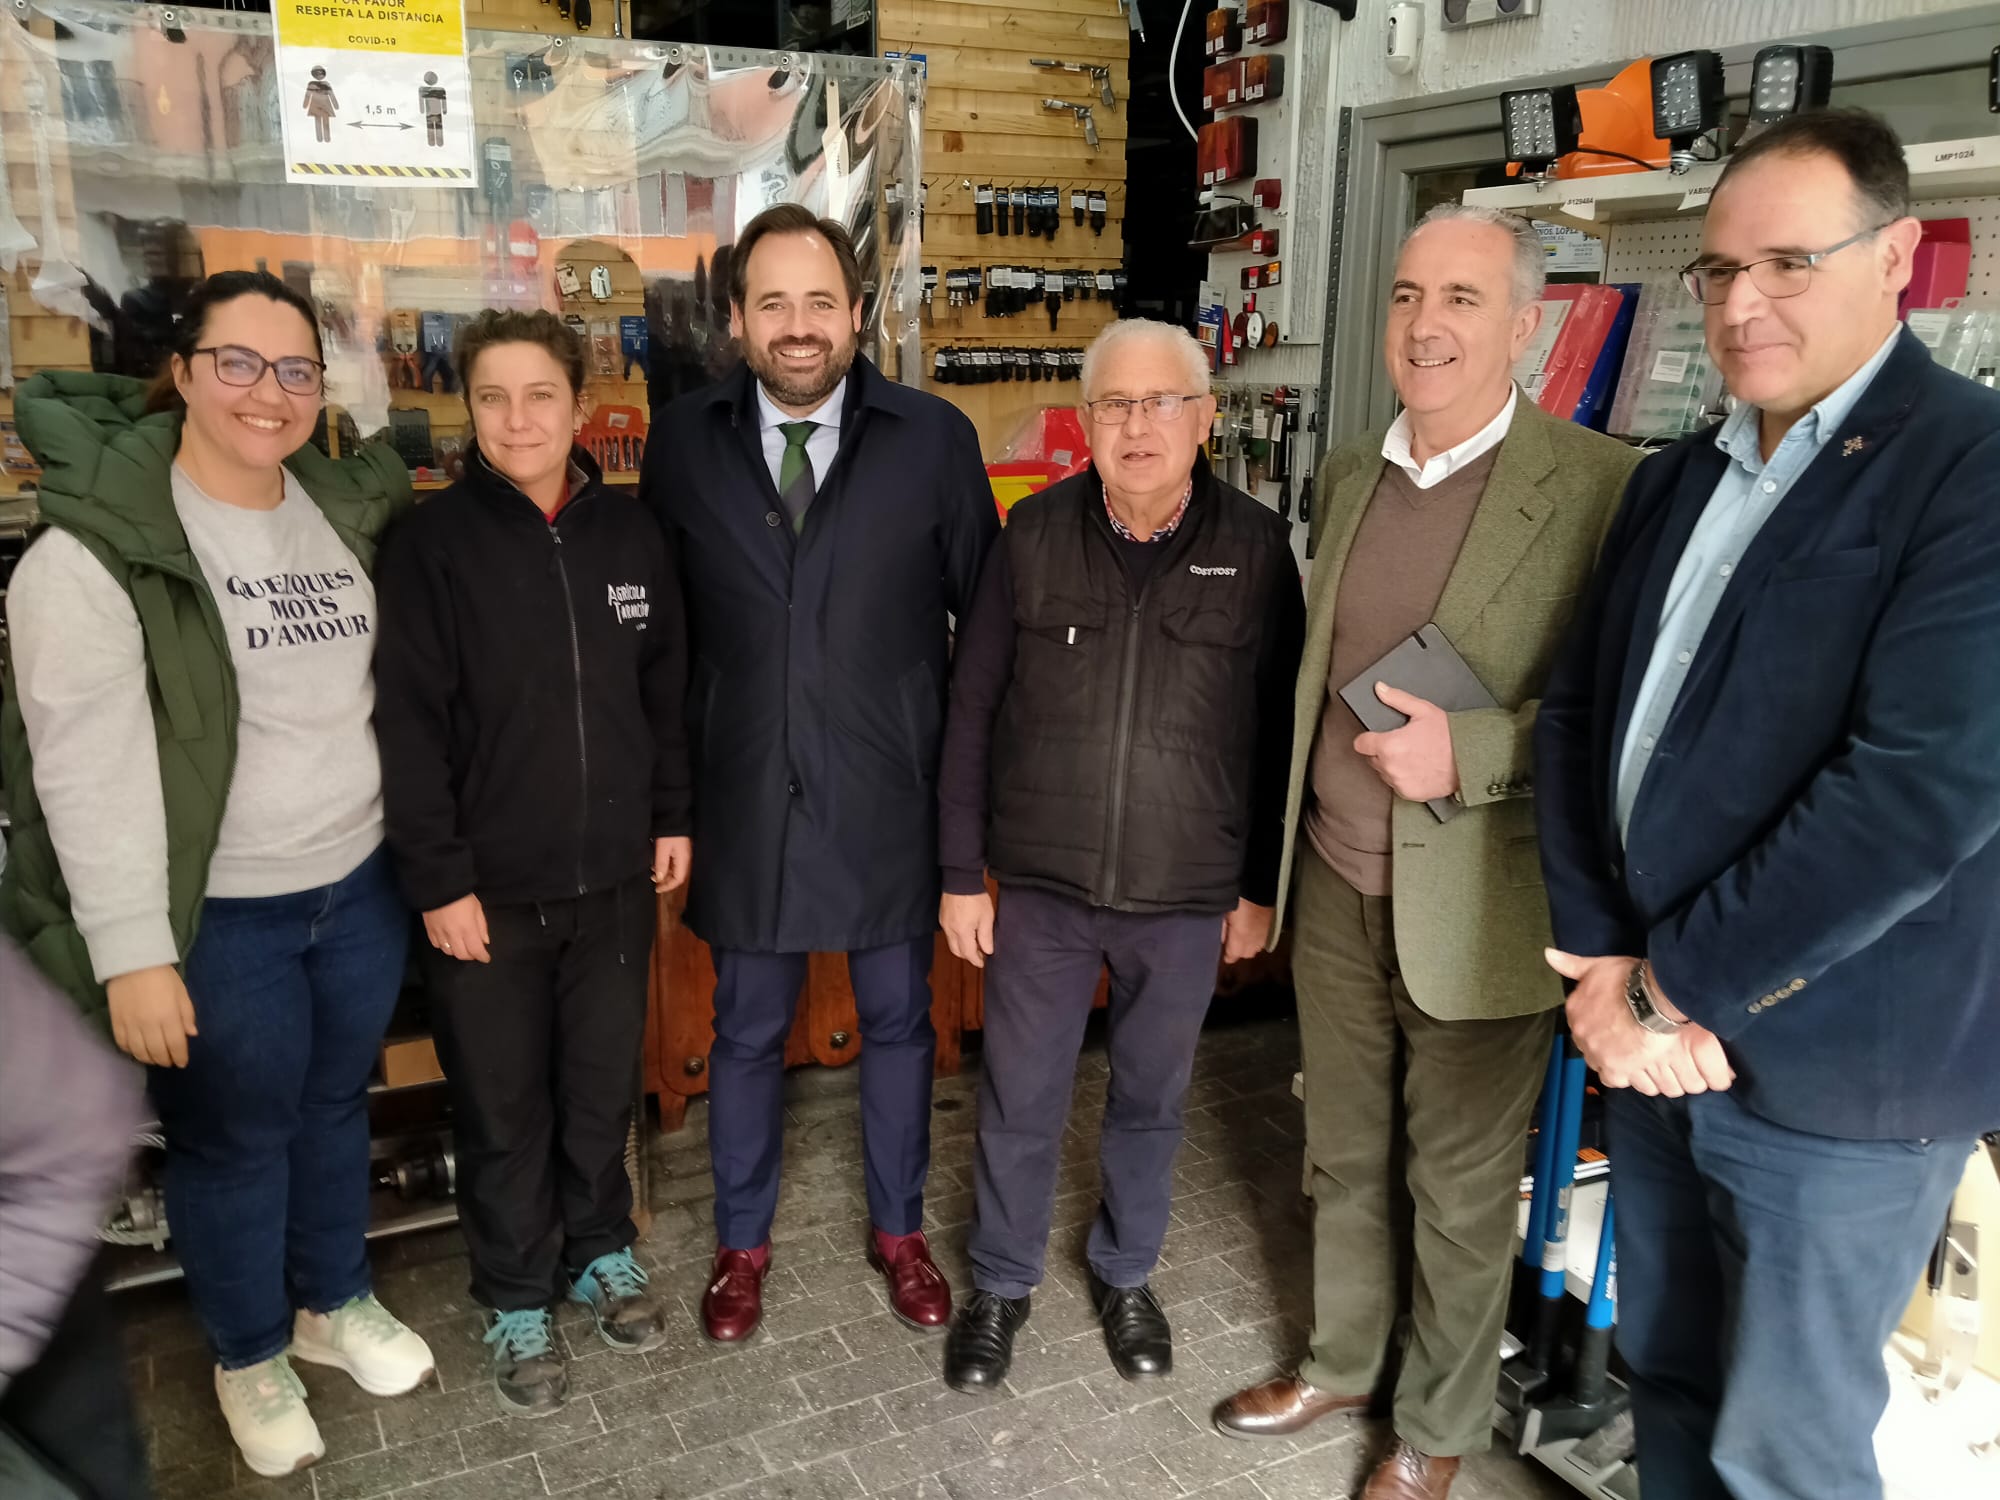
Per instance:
(365,1339)
(265,1406)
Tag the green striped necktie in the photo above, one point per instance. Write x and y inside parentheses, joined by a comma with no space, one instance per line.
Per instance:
(796,481)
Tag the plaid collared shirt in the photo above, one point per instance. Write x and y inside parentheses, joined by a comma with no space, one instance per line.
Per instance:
(1159,535)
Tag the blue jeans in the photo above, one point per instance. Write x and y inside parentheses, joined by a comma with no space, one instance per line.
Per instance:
(1760,1272)
(267,1125)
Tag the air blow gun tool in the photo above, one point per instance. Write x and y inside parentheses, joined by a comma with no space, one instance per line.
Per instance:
(1084,117)
(1099,72)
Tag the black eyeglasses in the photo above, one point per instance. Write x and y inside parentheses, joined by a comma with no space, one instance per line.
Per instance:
(235,365)
(1779,276)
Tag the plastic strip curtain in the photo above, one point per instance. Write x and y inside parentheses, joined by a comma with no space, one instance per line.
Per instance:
(613,178)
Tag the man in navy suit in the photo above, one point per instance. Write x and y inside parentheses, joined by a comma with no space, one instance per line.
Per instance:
(828,521)
(1768,792)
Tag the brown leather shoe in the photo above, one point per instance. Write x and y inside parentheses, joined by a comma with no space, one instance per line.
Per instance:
(1279,1408)
(918,1292)
(1407,1474)
(733,1305)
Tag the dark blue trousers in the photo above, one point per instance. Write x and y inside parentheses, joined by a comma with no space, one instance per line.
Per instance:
(755,997)
(1047,953)
(1760,1272)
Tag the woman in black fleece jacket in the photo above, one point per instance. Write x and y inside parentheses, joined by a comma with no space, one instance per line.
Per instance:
(530,679)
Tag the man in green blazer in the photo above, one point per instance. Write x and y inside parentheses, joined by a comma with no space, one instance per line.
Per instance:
(1425,1008)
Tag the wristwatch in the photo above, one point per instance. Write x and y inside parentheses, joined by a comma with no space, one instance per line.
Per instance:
(1640,999)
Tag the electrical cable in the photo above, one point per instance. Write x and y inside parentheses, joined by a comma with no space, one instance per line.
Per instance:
(1173,52)
(1637,161)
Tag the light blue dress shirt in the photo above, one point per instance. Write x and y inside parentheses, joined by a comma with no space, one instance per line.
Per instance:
(822,447)
(1749,491)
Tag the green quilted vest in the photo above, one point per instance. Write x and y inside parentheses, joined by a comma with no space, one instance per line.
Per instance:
(107,481)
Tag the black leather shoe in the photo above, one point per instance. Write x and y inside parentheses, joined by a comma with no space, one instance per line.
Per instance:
(1135,1329)
(980,1346)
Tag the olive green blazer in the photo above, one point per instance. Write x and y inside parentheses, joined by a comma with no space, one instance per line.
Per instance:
(1471,918)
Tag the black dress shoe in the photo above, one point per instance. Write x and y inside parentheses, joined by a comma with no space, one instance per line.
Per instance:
(980,1346)
(1135,1329)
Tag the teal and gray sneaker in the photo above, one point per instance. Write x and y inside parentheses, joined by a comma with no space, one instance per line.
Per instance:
(528,1371)
(613,1287)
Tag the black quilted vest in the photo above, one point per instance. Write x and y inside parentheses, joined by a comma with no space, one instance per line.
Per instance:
(1122,755)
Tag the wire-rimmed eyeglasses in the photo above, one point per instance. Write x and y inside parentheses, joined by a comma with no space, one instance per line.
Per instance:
(1777,276)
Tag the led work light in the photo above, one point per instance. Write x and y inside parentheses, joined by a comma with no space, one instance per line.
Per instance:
(1787,80)
(1539,125)
(1688,102)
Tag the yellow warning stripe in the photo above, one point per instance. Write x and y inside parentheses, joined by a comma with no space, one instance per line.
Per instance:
(336,169)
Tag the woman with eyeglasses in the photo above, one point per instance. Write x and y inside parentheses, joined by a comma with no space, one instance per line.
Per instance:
(197,804)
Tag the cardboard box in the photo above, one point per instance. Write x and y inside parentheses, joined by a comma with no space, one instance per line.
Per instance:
(410,1060)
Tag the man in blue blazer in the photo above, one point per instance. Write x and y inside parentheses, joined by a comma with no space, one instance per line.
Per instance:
(1768,790)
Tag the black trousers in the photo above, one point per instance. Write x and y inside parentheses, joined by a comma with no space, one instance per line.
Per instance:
(542,1049)
(67,1426)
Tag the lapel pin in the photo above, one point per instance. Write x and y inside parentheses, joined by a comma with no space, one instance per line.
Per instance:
(1852,446)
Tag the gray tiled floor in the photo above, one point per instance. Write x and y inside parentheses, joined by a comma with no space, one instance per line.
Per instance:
(834,1399)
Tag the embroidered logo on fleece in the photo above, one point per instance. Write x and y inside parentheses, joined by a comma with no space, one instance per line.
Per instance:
(1201,572)
(628,602)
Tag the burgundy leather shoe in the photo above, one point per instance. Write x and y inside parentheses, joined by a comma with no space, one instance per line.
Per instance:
(733,1305)
(918,1292)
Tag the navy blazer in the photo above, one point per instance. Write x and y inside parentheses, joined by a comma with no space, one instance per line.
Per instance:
(1812,863)
(817,686)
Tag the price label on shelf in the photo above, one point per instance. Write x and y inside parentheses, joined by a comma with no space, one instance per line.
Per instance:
(1570,249)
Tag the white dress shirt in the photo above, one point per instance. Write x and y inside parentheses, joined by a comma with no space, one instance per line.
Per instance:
(822,447)
(1396,446)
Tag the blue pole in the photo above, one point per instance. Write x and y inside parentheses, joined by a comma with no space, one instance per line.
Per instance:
(1562,1185)
(1593,1354)
(1603,1308)
(1545,1155)
(1562,1176)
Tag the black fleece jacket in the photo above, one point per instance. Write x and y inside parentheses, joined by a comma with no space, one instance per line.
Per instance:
(530,680)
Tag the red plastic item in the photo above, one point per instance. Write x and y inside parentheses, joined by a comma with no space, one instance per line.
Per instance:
(1263,78)
(1574,353)
(1226,149)
(1270,22)
(1222,85)
(1942,266)
(1268,192)
(1224,33)
(1050,445)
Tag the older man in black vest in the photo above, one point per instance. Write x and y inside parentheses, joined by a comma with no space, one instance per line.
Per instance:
(1115,756)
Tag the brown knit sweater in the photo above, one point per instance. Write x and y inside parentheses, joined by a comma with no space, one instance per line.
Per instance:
(1396,572)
